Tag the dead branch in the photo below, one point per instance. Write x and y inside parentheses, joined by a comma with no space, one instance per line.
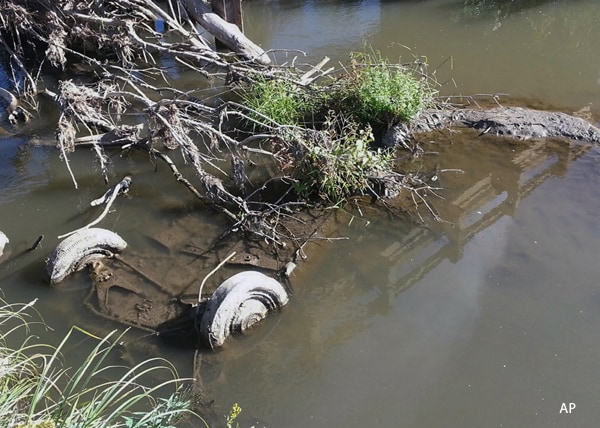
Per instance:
(108,198)
(124,79)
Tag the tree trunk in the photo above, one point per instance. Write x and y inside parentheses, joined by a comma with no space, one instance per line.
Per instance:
(229,34)
(230,11)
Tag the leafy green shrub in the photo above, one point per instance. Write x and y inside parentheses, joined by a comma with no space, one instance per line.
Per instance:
(371,90)
(325,130)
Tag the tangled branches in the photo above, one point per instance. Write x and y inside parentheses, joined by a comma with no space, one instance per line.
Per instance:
(122,96)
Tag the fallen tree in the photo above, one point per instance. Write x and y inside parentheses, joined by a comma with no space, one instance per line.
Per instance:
(319,129)
(120,51)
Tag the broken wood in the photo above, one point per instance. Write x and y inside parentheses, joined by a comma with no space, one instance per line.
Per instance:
(229,34)
(108,198)
(309,77)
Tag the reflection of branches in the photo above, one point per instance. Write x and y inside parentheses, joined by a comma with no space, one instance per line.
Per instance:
(498,8)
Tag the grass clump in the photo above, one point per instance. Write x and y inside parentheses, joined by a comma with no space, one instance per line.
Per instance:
(278,101)
(371,90)
(377,92)
(325,129)
(37,391)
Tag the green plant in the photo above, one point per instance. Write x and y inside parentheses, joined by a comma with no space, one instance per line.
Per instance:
(37,391)
(377,92)
(333,155)
(232,416)
(371,89)
(339,160)
(279,101)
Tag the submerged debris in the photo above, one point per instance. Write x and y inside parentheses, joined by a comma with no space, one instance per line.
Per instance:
(80,249)
(515,122)
(3,241)
(238,304)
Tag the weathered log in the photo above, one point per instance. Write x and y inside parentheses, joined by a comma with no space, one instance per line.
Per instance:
(230,11)
(229,34)
(513,122)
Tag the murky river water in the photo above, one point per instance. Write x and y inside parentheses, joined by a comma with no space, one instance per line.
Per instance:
(490,318)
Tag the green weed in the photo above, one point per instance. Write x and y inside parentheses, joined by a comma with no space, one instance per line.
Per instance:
(233,414)
(377,92)
(281,101)
(37,390)
(339,160)
(324,131)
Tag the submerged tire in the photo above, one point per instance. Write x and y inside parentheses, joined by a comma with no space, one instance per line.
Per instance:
(81,248)
(3,242)
(239,303)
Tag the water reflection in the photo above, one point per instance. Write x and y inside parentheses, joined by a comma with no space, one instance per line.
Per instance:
(497,8)
(314,25)
(540,50)
(381,320)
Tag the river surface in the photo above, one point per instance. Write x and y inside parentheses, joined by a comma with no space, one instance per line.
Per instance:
(489,318)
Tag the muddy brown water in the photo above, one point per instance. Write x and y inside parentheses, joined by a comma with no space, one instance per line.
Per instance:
(489,318)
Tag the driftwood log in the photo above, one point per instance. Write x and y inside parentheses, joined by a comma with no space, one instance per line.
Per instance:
(227,33)
(514,122)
